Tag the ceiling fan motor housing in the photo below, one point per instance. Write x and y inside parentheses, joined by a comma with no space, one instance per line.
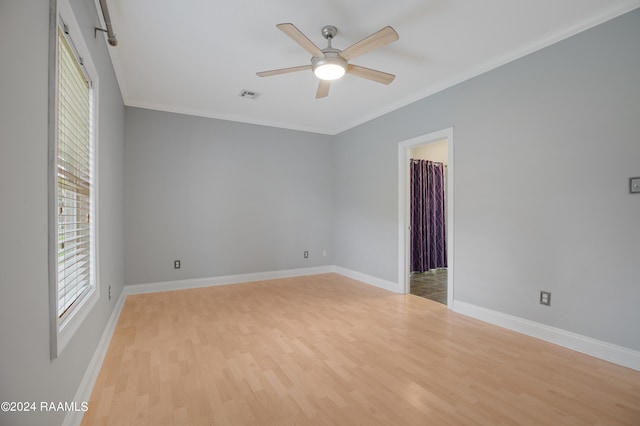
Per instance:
(332,66)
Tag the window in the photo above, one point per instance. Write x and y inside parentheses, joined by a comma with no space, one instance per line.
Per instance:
(74,158)
(73,198)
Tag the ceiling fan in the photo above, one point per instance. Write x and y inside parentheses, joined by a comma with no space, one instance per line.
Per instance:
(330,63)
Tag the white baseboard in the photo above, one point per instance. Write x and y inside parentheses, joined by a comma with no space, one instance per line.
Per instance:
(83,393)
(224,280)
(258,276)
(596,348)
(368,279)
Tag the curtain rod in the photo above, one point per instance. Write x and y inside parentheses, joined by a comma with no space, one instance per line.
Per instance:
(111,37)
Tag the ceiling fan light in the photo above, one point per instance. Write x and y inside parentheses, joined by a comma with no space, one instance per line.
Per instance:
(329,67)
(329,71)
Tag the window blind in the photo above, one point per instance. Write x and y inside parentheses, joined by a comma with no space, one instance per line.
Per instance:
(74,179)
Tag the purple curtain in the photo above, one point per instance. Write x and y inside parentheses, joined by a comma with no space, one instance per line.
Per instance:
(428,229)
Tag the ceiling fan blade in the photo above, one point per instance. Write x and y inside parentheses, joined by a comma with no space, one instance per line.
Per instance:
(283,71)
(323,89)
(301,39)
(375,40)
(369,74)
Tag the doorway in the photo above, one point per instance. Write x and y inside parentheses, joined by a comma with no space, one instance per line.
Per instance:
(436,278)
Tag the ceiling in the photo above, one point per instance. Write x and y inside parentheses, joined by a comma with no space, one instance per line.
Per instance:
(196,56)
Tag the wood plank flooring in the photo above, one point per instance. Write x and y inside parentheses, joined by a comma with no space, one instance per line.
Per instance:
(327,350)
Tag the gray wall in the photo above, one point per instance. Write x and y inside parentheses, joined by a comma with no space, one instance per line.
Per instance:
(543,148)
(223,197)
(26,371)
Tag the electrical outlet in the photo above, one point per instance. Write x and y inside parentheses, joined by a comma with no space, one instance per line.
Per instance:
(109,292)
(176,264)
(324,252)
(306,254)
(545,298)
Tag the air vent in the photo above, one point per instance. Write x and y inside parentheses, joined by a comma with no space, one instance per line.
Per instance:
(249,94)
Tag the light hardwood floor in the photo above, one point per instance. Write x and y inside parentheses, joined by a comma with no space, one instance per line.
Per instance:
(327,350)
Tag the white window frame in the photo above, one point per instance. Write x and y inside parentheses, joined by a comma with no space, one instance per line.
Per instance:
(65,326)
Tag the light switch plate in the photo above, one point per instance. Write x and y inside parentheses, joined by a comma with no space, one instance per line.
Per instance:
(634,185)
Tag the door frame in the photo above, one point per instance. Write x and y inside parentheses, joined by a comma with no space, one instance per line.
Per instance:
(404,208)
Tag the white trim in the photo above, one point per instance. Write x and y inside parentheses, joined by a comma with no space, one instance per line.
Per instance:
(258,276)
(493,63)
(224,280)
(224,117)
(66,328)
(368,279)
(596,348)
(83,394)
(404,208)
